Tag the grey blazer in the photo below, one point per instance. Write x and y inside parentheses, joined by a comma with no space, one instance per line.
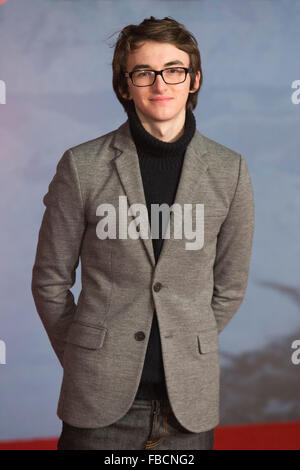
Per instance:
(101,342)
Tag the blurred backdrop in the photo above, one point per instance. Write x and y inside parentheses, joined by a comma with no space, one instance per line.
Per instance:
(56,92)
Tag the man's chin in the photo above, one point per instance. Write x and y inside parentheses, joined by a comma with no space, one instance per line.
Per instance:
(161,115)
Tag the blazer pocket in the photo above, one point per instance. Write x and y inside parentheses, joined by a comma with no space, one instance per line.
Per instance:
(208,340)
(211,211)
(90,337)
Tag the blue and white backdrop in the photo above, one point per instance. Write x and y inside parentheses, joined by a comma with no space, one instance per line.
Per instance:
(56,92)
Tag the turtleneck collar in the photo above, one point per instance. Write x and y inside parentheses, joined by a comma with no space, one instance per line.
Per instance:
(153,146)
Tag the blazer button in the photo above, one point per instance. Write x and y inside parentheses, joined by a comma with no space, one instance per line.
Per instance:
(157,286)
(139,336)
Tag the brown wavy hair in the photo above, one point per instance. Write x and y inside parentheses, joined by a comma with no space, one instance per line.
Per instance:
(153,29)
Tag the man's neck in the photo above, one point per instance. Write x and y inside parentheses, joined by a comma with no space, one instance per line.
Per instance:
(167,131)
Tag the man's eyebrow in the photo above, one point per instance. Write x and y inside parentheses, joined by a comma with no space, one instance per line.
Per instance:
(147,66)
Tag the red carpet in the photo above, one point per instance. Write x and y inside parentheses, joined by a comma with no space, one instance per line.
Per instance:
(264,436)
(268,436)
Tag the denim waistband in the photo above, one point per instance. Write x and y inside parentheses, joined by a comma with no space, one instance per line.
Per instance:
(142,402)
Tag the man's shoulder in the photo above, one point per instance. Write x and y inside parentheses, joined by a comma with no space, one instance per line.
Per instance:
(99,147)
(218,153)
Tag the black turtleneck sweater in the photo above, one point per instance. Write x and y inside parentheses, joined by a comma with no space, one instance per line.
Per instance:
(160,166)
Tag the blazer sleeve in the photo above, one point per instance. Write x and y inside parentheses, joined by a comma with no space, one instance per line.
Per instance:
(233,251)
(57,254)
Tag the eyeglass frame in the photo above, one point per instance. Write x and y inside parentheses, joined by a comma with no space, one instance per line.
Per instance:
(158,72)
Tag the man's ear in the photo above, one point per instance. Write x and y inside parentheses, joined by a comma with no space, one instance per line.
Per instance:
(125,96)
(196,82)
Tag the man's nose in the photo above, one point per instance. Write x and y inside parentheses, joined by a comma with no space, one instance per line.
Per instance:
(159,82)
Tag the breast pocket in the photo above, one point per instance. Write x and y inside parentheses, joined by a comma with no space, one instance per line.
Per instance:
(210,210)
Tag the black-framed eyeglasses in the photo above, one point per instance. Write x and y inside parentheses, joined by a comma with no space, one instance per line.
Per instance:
(171,76)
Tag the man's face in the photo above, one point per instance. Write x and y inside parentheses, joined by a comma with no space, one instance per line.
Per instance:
(158,56)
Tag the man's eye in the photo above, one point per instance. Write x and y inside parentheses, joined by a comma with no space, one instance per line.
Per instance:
(175,70)
(144,73)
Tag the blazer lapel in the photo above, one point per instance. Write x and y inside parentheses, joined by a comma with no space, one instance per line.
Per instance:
(192,185)
(128,167)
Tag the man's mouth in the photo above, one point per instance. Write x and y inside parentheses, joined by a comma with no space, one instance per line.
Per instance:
(161,99)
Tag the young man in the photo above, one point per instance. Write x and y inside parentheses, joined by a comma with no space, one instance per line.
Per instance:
(140,348)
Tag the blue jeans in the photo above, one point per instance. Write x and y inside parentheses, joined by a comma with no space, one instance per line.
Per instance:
(149,424)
